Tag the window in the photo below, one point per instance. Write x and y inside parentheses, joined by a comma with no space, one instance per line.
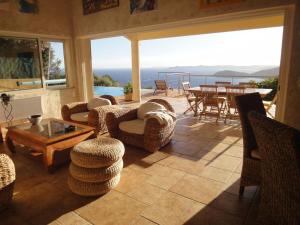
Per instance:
(19,64)
(53,63)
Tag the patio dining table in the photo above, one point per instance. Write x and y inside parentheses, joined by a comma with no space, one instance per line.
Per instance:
(222,91)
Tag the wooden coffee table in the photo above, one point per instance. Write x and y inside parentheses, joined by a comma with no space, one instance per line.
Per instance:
(52,137)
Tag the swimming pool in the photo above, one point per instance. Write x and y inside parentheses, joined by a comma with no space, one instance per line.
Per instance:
(114,91)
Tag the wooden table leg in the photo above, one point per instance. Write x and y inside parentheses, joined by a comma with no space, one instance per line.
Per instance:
(197,105)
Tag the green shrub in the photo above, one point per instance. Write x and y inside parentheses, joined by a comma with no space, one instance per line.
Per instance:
(105,80)
(270,83)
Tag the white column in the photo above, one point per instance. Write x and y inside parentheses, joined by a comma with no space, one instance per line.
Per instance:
(136,77)
(84,69)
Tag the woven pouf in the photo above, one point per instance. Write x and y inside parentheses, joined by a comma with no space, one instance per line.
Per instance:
(97,153)
(91,188)
(7,179)
(96,174)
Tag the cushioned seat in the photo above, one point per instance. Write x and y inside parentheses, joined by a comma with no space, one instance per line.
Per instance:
(92,189)
(98,152)
(96,174)
(136,126)
(255,154)
(80,117)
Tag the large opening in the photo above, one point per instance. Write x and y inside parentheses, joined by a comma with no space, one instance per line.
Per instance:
(111,61)
(241,58)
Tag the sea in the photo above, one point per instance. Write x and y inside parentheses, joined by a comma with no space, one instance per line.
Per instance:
(173,76)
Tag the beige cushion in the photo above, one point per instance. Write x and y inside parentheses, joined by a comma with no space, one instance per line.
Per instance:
(80,117)
(96,102)
(255,154)
(133,126)
(148,107)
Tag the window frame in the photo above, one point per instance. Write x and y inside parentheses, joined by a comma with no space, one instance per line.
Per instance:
(66,64)
(39,59)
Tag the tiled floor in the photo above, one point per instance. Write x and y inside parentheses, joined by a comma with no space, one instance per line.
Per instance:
(193,180)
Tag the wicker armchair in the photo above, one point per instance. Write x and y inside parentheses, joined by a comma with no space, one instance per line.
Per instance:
(96,117)
(155,135)
(7,180)
(250,175)
(279,146)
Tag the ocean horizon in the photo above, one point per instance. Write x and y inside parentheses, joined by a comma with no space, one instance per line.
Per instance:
(149,75)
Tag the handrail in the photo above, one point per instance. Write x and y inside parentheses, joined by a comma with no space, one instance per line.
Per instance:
(187,76)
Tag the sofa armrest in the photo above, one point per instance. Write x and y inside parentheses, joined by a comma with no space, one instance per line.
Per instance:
(72,108)
(97,117)
(113,119)
(156,134)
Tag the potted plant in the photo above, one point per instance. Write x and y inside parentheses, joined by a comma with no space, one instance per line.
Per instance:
(128,91)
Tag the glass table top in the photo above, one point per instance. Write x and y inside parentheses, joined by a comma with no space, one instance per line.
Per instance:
(49,128)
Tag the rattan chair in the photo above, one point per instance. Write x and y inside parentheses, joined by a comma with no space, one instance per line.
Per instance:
(231,93)
(279,147)
(96,117)
(154,136)
(213,105)
(250,175)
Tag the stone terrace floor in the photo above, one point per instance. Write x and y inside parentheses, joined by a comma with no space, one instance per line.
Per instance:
(193,180)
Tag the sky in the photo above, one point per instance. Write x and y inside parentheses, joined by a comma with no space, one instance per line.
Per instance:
(240,48)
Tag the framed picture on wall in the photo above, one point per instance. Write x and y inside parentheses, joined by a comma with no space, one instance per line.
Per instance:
(216,3)
(92,6)
(138,6)
(28,6)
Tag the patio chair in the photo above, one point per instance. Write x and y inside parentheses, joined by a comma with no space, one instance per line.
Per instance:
(250,175)
(247,84)
(191,99)
(90,113)
(132,127)
(279,147)
(231,93)
(213,105)
(222,83)
(161,85)
(268,105)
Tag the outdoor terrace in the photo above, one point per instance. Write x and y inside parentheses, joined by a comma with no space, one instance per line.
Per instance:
(192,180)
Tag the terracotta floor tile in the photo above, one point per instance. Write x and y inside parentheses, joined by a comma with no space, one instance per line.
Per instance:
(215,174)
(232,204)
(172,209)
(113,208)
(197,188)
(147,193)
(72,218)
(226,162)
(142,221)
(130,179)
(211,216)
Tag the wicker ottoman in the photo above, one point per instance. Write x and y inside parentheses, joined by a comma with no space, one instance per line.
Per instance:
(7,180)
(96,166)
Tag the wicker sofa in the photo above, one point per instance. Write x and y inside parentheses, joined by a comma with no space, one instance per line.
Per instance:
(154,136)
(96,116)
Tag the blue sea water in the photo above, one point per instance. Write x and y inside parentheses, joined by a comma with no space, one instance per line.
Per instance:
(148,76)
